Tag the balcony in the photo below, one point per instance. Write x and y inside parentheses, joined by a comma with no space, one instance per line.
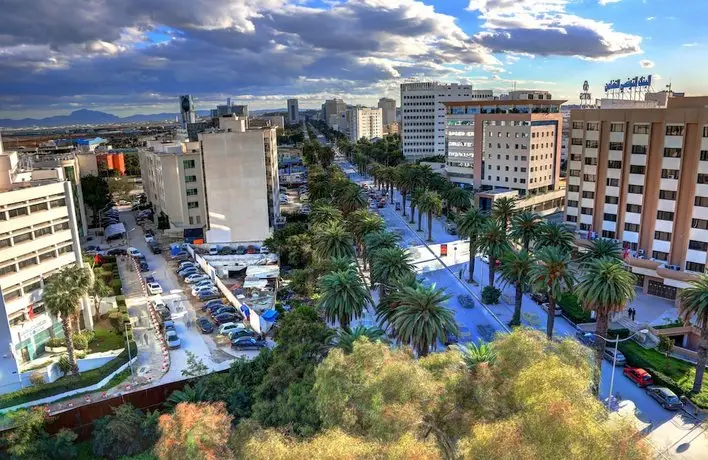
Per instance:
(643,262)
(674,272)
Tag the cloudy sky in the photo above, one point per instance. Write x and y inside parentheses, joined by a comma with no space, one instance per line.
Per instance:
(136,56)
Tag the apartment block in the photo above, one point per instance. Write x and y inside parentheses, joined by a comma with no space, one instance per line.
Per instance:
(423,114)
(640,175)
(333,107)
(365,122)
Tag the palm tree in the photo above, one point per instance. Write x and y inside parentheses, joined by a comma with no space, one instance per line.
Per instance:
(503,209)
(555,234)
(694,309)
(470,225)
(63,292)
(350,198)
(346,337)
(98,290)
(552,276)
(323,213)
(476,355)
(494,243)
(388,266)
(388,175)
(405,182)
(515,269)
(602,248)
(415,198)
(525,226)
(605,288)
(332,240)
(420,319)
(344,297)
(430,203)
(379,240)
(361,223)
(458,198)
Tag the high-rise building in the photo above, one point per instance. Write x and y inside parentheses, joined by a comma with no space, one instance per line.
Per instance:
(640,176)
(423,114)
(365,122)
(229,109)
(388,107)
(293,112)
(333,107)
(187,111)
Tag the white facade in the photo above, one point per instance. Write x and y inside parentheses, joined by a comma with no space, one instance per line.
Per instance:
(293,111)
(388,107)
(423,114)
(365,122)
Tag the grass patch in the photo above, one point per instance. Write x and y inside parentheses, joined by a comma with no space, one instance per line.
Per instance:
(572,309)
(106,340)
(675,374)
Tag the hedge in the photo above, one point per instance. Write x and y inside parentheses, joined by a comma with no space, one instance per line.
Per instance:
(65,384)
(572,309)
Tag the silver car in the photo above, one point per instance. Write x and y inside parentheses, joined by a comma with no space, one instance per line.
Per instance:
(609,355)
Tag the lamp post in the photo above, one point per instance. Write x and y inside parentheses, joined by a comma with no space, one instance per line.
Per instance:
(130,358)
(614,356)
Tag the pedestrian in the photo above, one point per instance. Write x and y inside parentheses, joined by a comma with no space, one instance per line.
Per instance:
(634,314)
(145,338)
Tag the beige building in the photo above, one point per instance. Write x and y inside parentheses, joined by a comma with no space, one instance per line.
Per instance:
(640,175)
(365,122)
(333,107)
(388,108)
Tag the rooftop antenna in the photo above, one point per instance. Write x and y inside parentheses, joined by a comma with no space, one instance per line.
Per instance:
(585,96)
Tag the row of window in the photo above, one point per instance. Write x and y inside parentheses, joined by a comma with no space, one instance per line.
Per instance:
(17,291)
(7,241)
(506,179)
(26,210)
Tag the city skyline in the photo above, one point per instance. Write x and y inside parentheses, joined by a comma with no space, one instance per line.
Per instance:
(128,60)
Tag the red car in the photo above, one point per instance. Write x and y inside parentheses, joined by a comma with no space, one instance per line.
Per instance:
(639,376)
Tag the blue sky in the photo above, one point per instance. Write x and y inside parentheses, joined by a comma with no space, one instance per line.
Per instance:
(136,56)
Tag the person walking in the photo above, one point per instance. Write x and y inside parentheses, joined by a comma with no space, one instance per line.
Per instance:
(634,314)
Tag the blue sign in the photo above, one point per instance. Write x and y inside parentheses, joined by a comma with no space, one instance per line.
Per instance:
(635,82)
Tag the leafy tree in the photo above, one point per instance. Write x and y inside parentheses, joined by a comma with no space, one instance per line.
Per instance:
(694,309)
(350,198)
(605,288)
(120,187)
(602,248)
(347,337)
(324,213)
(554,234)
(458,198)
(194,431)
(388,266)
(333,240)
(666,346)
(188,394)
(470,225)
(98,291)
(128,431)
(27,438)
(96,194)
(132,164)
(430,203)
(195,367)
(503,209)
(63,292)
(361,223)
(552,275)
(344,297)
(515,269)
(416,195)
(494,243)
(405,180)
(525,227)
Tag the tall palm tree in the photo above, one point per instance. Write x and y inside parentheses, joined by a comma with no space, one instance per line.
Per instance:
(361,223)
(344,297)
(346,337)
(350,198)
(333,240)
(605,288)
(323,213)
(420,319)
(458,198)
(525,226)
(555,234)
(379,240)
(388,266)
(515,269)
(476,355)
(388,174)
(470,225)
(63,292)
(503,209)
(552,275)
(602,248)
(387,304)
(405,180)
(415,198)
(494,243)
(694,309)
(431,204)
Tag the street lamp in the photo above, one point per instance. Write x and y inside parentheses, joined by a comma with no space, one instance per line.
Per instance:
(614,356)
(130,358)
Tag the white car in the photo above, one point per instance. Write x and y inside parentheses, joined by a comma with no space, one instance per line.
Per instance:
(172,339)
(265,250)
(149,239)
(214,251)
(191,279)
(196,289)
(158,303)
(154,288)
(228,327)
(134,252)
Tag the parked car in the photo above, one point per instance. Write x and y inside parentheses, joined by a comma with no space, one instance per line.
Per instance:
(212,303)
(155,247)
(158,303)
(539,298)
(172,339)
(181,255)
(639,376)
(150,279)
(665,397)
(381,203)
(196,289)
(225,250)
(226,309)
(154,288)
(203,283)
(586,338)
(251,249)
(214,250)
(464,335)
(205,291)
(240,250)
(134,252)
(265,250)
(209,295)
(451,228)
(186,271)
(91,250)
(117,252)
(205,326)
(187,263)
(191,279)
(556,311)
(236,333)
(247,343)
(169,325)
(226,327)
(225,318)
(164,313)
(609,355)
(144,267)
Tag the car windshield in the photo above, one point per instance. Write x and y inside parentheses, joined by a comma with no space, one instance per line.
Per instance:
(646,377)
(672,399)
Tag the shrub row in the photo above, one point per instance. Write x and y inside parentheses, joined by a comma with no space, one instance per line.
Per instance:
(573,310)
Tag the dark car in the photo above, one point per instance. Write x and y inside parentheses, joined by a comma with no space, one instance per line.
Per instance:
(224,309)
(539,298)
(164,313)
(226,318)
(240,250)
(205,326)
(117,252)
(665,397)
(155,248)
(150,279)
(144,267)
(218,303)
(586,338)
(247,343)
(209,295)
(464,335)
(236,333)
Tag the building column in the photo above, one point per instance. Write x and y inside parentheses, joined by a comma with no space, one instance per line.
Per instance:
(652,185)
(688,174)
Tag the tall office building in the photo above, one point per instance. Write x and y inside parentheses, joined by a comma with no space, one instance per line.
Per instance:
(293,112)
(388,107)
(187,111)
(332,110)
(423,114)
(640,175)
(365,122)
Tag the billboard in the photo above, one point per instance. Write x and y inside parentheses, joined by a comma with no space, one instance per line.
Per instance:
(632,82)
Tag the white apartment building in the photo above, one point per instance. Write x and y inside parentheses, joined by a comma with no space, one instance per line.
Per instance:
(365,122)
(423,114)
(38,237)
(388,107)
(293,111)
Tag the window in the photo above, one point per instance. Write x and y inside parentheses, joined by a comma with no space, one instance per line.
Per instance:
(634,208)
(190,178)
(616,146)
(697,245)
(42,232)
(593,126)
(574,173)
(572,203)
(614,164)
(591,144)
(617,127)
(589,177)
(704,155)
(22,238)
(658,255)
(672,153)
(609,217)
(39,207)
(65,249)
(701,201)
(667,195)
(640,129)
(639,149)
(571,218)
(674,130)
(611,199)
(612,182)
(608,234)
(191,191)
(8,269)
(47,255)
(700,224)
(637,169)
(586,211)
(574,157)
(198,219)
(631,227)
(665,215)
(662,236)
(669,173)
(577,125)
(703,178)
(17,212)
(635,189)
(188,164)
(524,170)
(576,141)
(12,295)
(5,243)
(588,194)
(57,203)
(705,131)
(192,204)
(27,263)
(32,287)
(585,226)
(590,161)
(191,220)
(573,188)
(695,267)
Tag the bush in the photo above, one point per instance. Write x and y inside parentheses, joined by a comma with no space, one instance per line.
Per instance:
(572,309)
(490,295)
(37,378)
(127,432)
(120,300)
(116,285)
(115,319)
(80,342)
(64,364)
(55,342)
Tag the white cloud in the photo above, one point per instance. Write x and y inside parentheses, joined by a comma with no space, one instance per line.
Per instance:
(646,63)
(607,2)
(651,18)
(691,45)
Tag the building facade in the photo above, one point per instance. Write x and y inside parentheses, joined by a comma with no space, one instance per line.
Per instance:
(333,107)
(640,176)
(365,122)
(423,114)
(293,112)
(388,108)
(188,114)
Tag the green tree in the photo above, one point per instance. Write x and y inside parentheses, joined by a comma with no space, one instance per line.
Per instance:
(128,431)
(333,240)
(694,309)
(350,198)
(98,291)
(458,198)
(503,210)
(525,227)
(388,266)
(555,234)
(324,213)
(344,297)
(605,288)
(362,223)
(96,194)
(132,164)
(63,292)
(477,355)
(195,367)
(515,269)
(666,346)
(494,243)
(194,431)
(347,337)
(379,240)
(406,181)
(416,195)
(470,225)
(25,440)
(602,248)
(120,187)
(553,276)
(431,204)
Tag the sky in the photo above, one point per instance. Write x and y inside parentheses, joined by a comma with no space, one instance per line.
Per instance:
(136,56)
